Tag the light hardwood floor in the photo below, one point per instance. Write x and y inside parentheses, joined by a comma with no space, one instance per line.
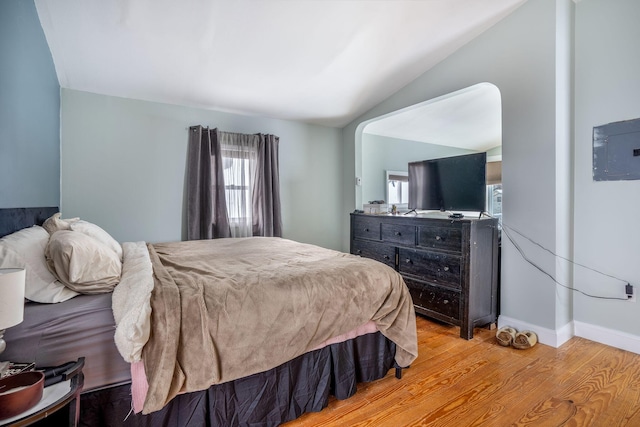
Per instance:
(459,383)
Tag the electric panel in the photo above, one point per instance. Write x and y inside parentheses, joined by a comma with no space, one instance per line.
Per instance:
(616,151)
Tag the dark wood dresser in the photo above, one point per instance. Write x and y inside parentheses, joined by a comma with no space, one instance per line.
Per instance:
(449,265)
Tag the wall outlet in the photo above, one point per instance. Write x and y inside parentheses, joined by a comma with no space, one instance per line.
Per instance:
(631,295)
(358,181)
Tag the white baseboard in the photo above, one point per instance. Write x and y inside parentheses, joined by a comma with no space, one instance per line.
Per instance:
(555,338)
(610,337)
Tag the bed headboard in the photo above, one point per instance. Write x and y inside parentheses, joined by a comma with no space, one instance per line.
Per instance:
(14,219)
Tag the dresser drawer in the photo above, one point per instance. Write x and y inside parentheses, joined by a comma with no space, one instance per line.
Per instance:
(397,233)
(446,238)
(431,266)
(366,228)
(378,251)
(445,302)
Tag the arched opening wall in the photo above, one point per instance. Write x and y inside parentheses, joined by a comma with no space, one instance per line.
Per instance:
(517,55)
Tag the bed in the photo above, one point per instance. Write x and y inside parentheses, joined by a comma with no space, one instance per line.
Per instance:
(261,385)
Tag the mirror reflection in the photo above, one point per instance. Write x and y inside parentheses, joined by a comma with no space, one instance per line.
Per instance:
(462,122)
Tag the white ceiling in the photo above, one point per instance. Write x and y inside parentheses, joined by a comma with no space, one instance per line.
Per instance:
(470,118)
(324,62)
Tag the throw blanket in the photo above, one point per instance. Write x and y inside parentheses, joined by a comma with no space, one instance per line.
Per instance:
(228,308)
(132,302)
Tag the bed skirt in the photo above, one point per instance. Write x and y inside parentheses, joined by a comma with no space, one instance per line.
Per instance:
(266,399)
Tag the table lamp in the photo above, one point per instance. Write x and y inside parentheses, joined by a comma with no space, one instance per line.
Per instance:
(12,281)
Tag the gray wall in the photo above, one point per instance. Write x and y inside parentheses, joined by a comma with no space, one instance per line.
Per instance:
(29,111)
(381,153)
(607,82)
(123,167)
(518,56)
(561,68)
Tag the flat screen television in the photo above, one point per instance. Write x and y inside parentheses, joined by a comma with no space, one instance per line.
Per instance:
(449,184)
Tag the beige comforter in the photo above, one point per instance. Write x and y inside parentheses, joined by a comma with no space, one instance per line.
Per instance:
(227,308)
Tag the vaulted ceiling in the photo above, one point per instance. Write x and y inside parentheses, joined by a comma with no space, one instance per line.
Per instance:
(324,62)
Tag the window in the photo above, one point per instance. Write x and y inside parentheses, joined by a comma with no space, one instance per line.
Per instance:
(239,166)
(494,189)
(494,200)
(397,188)
(236,185)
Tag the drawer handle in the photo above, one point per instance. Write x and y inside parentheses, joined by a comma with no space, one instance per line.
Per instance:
(359,251)
(438,238)
(366,230)
(386,257)
(408,261)
(398,233)
(446,301)
(446,268)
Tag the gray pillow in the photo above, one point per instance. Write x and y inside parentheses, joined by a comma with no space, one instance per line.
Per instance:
(82,263)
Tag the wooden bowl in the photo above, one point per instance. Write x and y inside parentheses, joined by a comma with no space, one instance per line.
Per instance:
(20,392)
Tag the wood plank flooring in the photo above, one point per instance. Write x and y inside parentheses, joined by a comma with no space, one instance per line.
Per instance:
(462,383)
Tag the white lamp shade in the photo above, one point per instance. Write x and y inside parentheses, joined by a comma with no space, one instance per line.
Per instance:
(12,281)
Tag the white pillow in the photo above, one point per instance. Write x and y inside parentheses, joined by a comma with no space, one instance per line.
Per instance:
(99,234)
(25,249)
(82,263)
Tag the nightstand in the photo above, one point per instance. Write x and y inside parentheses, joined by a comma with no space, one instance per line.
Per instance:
(65,394)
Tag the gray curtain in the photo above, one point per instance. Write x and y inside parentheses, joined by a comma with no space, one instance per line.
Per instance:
(207,216)
(206,206)
(267,215)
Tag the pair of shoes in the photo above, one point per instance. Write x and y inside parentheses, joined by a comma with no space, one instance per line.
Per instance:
(508,336)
